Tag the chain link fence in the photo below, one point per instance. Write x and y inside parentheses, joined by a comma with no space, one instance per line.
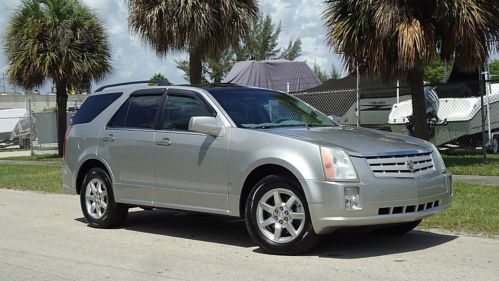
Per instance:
(461,117)
(24,131)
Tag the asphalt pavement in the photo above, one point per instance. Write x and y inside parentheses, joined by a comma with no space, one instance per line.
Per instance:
(44,237)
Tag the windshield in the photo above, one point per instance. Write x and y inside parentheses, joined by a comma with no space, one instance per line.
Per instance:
(264,109)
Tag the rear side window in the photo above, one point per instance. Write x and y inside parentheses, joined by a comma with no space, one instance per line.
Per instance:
(137,112)
(93,106)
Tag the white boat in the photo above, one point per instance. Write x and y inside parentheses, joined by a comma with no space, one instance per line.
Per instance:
(459,119)
(14,124)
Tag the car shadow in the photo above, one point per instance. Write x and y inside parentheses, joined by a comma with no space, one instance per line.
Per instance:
(358,243)
(342,244)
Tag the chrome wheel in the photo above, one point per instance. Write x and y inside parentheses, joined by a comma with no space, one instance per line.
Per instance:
(96,198)
(280,215)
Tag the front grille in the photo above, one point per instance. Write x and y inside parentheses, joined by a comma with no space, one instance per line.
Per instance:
(408,209)
(401,166)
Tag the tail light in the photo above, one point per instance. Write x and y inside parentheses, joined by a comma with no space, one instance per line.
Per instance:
(68,130)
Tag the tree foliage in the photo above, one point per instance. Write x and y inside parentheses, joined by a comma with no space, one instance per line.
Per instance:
(395,38)
(324,75)
(292,51)
(204,28)
(434,72)
(260,43)
(59,40)
(159,77)
(494,69)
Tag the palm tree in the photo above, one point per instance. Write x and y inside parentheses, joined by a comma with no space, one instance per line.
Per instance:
(397,39)
(61,40)
(202,27)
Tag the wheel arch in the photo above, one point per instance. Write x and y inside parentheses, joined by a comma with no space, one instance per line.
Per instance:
(259,173)
(85,167)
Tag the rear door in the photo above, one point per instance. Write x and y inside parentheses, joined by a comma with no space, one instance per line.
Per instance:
(191,168)
(127,144)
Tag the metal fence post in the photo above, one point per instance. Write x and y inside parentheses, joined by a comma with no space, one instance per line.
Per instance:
(30,120)
(482,88)
(358,96)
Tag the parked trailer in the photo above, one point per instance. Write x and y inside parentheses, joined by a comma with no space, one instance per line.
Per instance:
(14,127)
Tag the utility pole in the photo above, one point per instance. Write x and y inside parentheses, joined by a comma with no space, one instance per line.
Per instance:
(3,81)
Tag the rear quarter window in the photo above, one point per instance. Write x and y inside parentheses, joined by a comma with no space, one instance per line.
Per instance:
(93,106)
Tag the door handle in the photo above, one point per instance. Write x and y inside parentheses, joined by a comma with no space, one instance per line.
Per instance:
(164,142)
(109,137)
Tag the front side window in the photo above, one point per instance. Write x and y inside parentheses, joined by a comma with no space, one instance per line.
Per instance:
(266,109)
(180,109)
(137,112)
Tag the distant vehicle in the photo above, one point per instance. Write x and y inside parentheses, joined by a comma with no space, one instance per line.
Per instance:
(263,155)
(14,127)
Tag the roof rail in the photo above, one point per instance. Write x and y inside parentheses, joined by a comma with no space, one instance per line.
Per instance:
(157,82)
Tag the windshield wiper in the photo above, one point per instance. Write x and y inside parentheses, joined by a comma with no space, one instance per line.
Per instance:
(318,125)
(267,126)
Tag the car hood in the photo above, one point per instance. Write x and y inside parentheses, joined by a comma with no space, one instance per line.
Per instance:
(356,141)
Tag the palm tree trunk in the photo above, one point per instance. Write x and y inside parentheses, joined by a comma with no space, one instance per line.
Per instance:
(62,101)
(415,81)
(195,66)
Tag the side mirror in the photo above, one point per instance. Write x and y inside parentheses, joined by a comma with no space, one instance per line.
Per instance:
(206,125)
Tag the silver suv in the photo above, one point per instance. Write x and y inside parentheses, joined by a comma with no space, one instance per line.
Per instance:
(266,156)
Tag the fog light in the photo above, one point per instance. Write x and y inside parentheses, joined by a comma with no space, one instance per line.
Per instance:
(352,198)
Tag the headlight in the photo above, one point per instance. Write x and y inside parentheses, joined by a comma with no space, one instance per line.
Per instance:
(337,164)
(438,158)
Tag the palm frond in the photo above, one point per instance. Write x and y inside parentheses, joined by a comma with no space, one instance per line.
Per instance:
(206,25)
(389,37)
(56,39)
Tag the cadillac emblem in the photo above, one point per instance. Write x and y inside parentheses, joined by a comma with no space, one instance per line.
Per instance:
(410,165)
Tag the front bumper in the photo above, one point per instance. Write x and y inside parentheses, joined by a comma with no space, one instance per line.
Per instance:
(383,201)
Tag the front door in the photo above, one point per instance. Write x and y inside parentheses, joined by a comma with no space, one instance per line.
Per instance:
(191,168)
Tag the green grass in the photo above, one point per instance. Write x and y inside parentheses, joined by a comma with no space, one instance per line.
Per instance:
(475,209)
(472,165)
(44,157)
(35,178)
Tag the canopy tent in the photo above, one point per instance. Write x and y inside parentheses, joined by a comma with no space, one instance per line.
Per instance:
(273,74)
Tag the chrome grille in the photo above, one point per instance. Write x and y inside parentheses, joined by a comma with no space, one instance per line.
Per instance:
(401,166)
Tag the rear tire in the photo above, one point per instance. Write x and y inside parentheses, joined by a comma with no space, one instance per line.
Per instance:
(397,228)
(97,201)
(277,217)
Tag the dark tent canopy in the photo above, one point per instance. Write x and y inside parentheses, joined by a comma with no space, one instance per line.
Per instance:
(273,74)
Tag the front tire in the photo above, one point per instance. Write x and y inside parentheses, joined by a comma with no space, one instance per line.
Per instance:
(97,201)
(397,228)
(277,217)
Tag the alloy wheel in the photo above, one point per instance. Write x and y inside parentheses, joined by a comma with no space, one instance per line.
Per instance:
(96,198)
(280,215)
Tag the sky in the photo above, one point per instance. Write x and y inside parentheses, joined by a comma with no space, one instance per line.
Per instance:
(134,60)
